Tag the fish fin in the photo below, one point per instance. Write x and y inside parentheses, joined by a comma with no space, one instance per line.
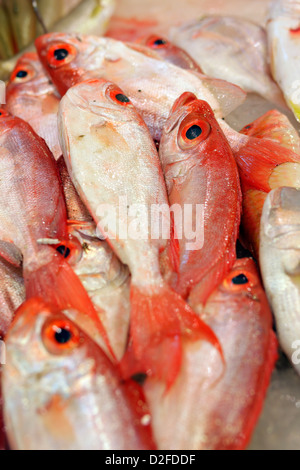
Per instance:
(159,322)
(271,359)
(10,253)
(201,292)
(228,95)
(258,158)
(174,248)
(58,285)
(253,203)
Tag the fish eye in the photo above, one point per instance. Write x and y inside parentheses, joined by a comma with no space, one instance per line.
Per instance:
(70,250)
(192,132)
(239,281)
(61,54)
(64,251)
(60,336)
(3,113)
(156,42)
(117,96)
(22,74)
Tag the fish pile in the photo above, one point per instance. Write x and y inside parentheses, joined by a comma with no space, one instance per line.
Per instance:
(130,320)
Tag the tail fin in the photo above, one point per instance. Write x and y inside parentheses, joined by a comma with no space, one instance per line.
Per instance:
(258,158)
(58,285)
(160,321)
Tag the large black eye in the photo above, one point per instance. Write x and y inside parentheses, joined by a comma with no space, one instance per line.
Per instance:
(62,336)
(64,251)
(239,280)
(193,132)
(122,98)
(61,54)
(22,74)
(159,42)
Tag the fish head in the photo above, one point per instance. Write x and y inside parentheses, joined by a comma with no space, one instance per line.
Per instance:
(29,78)
(60,389)
(191,130)
(100,107)
(70,58)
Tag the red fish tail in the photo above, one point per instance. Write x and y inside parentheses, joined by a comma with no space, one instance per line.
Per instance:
(56,283)
(160,321)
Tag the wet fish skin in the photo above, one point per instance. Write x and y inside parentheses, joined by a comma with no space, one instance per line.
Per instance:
(215,406)
(239,48)
(201,169)
(12,294)
(50,387)
(279,262)
(32,209)
(118,149)
(159,85)
(170,52)
(34,99)
(283,43)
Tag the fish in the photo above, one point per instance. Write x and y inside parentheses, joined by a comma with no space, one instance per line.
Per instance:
(121,167)
(12,294)
(104,277)
(200,169)
(263,165)
(239,48)
(32,97)
(169,52)
(70,59)
(60,390)
(88,17)
(279,263)
(283,43)
(276,126)
(212,406)
(32,210)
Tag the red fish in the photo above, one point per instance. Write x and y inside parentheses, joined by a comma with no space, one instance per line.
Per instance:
(212,407)
(120,161)
(199,168)
(31,96)
(263,165)
(170,52)
(152,84)
(33,216)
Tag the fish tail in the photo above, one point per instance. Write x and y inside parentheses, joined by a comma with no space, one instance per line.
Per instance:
(160,321)
(57,284)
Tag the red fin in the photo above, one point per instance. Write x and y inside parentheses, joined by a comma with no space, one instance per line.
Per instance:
(58,285)
(159,322)
(258,158)
(201,292)
(174,248)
